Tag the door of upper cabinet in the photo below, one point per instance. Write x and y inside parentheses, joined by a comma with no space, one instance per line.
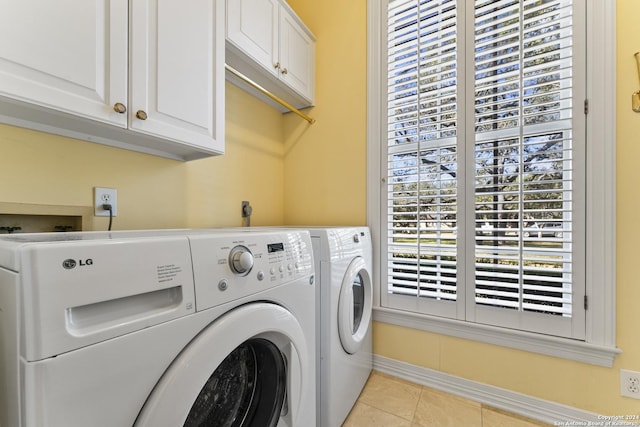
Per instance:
(71,55)
(177,71)
(252,26)
(297,56)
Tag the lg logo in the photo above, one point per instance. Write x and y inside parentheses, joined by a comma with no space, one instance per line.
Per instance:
(72,263)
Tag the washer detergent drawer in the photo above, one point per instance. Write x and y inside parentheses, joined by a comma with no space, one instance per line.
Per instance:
(80,293)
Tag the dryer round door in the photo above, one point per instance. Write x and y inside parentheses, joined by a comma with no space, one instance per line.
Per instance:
(354,305)
(243,370)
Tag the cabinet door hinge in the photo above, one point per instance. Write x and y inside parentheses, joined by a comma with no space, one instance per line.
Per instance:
(586,106)
(586,302)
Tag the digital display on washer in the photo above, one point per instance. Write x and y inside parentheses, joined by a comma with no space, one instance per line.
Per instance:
(275,247)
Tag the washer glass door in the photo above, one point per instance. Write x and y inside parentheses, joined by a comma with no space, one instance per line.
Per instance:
(247,389)
(245,369)
(354,305)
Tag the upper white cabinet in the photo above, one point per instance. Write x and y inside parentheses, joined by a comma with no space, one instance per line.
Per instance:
(174,69)
(267,42)
(68,55)
(252,28)
(141,75)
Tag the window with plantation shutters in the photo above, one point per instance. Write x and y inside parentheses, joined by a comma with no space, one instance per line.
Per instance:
(485,162)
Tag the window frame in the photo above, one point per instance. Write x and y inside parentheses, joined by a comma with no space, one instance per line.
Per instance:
(598,348)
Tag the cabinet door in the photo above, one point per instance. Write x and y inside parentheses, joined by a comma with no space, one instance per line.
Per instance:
(177,71)
(297,55)
(252,26)
(66,55)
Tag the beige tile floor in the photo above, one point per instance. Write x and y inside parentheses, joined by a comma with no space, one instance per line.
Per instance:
(392,402)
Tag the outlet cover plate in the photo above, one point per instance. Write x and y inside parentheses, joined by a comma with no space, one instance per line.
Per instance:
(630,384)
(102,196)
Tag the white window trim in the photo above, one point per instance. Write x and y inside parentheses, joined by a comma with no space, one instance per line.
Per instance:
(599,347)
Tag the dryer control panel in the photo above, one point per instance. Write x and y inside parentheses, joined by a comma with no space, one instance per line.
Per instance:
(233,265)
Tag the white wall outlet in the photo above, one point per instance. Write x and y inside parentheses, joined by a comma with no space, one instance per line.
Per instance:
(630,383)
(104,196)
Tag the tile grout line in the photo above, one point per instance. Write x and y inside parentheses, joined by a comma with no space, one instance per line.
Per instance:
(382,410)
(415,409)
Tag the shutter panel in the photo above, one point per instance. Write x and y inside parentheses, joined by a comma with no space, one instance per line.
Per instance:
(523,155)
(422,154)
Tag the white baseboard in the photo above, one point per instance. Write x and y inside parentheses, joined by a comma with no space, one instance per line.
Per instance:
(517,403)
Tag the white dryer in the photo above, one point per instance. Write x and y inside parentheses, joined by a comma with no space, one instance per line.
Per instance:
(157,329)
(343,264)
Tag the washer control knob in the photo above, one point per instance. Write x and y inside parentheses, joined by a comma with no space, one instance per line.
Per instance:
(241,260)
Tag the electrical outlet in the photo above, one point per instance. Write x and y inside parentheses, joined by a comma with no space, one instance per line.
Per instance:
(105,196)
(630,383)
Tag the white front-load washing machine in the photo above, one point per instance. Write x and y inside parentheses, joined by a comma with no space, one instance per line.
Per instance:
(343,265)
(157,328)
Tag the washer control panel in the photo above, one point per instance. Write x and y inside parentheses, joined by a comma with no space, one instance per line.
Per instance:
(231,265)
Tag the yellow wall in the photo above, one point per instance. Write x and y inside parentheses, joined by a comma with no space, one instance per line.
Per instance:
(252,168)
(153,192)
(325,183)
(325,164)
